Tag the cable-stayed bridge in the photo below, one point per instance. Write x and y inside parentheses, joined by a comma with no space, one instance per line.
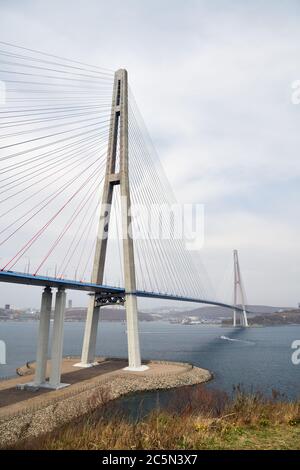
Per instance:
(84,201)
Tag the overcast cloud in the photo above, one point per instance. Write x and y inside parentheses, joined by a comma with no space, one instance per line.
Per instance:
(213,82)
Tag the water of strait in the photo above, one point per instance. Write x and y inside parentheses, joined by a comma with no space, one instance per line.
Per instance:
(257,358)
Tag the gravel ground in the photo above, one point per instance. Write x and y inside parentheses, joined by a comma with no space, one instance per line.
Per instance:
(25,414)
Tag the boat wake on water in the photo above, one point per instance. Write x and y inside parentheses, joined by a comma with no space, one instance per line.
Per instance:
(236,340)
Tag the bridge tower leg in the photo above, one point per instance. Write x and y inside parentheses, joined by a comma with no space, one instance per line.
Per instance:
(238,290)
(115,175)
(234,317)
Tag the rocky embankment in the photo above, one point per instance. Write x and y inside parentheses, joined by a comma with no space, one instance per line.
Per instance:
(46,414)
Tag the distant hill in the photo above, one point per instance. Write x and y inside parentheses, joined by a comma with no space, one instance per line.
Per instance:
(214,312)
(287,317)
(206,313)
(106,314)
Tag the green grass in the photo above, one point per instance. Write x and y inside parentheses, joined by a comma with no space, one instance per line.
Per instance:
(196,419)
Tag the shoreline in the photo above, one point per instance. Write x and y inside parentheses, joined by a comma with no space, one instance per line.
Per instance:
(26,414)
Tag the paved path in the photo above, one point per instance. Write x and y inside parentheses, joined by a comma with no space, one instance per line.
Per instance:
(13,400)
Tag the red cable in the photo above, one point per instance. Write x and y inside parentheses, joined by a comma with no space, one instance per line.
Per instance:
(36,236)
(66,228)
(47,203)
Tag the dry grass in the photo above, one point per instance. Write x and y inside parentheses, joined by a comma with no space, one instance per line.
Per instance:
(197,418)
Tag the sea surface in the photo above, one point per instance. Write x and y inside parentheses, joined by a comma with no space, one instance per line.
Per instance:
(257,358)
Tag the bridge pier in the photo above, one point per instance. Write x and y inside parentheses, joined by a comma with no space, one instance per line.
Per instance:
(43,342)
(57,340)
(43,338)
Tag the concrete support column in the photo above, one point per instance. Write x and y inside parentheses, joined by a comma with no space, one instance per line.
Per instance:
(90,335)
(234,317)
(57,340)
(134,355)
(245,319)
(43,337)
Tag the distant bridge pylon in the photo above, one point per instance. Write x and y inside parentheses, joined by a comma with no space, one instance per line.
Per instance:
(239,294)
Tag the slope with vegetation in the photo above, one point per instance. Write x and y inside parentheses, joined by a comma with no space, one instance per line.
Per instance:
(197,418)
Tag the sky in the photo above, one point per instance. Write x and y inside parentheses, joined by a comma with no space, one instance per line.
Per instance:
(213,80)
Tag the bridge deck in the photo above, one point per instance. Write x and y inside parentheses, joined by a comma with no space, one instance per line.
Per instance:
(44,281)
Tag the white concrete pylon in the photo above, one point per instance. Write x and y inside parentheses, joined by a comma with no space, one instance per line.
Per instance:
(234,317)
(90,336)
(118,130)
(238,291)
(43,337)
(245,318)
(134,355)
(57,340)
(91,325)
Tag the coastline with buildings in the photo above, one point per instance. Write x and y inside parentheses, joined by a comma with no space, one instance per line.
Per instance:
(262,315)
